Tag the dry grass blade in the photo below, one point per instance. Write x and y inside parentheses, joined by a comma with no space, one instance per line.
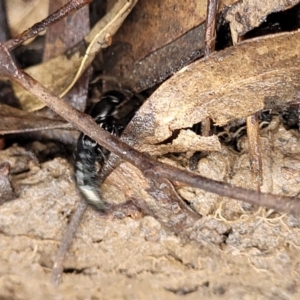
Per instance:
(58,73)
(101,35)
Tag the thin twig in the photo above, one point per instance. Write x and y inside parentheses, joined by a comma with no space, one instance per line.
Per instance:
(144,162)
(254,149)
(210,41)
(65,126)
(65,10)
(66,243)
(210,26)
(117,211)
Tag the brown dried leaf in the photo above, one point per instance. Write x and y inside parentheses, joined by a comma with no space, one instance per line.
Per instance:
(101,35)
(158,38)
(222,88)
(54,74)
(58,73)
(22,14)
(187,140)
(248,14)
(66,33)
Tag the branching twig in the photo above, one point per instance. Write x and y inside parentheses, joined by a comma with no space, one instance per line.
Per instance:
(65,10)
(144,162)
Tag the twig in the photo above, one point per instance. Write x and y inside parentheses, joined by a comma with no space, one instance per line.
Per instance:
(144,162)
(254,146)
(65,10)
(210,26)
(254,149)
(117,211)
(210,41)
(66,243)
(65,126)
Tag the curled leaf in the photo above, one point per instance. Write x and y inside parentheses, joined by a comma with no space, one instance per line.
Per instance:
(60,74)
(101,35)
(248,14)
(230,84)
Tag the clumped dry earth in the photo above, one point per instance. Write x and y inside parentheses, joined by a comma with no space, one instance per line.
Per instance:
(243,254)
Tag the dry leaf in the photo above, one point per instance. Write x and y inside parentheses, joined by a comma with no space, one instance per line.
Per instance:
(54,74)
(156,40)
(248,14)
(66,33)
(101,35)
(22,14)
(187,140)
(230,84)
(58,74)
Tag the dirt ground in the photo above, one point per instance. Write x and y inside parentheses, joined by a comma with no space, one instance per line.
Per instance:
(242,253)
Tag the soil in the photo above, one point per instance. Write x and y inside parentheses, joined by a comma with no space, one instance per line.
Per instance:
(244,252)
